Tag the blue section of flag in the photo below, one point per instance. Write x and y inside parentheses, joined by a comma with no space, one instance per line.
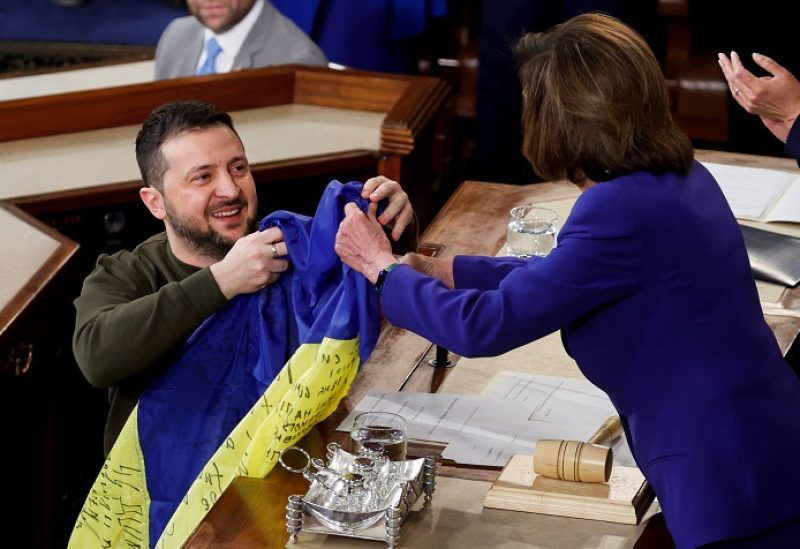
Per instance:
(230,360)
(331,296)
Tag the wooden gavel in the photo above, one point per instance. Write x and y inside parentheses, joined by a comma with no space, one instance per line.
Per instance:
(588,461)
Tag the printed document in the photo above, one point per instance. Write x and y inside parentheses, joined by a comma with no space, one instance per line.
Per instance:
(758,193)
(507,419)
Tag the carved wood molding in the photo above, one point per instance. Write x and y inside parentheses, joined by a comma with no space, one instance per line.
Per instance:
(44,274)
(410,101)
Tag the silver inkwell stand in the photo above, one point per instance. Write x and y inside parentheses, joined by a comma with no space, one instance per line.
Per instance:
(362,495)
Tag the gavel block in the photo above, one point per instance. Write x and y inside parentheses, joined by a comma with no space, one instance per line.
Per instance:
(584,483)
(624,498)
(569,488)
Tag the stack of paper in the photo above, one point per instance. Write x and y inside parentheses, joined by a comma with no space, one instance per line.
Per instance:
(507,419)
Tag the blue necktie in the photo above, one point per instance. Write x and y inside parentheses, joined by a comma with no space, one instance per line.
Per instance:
(212,51)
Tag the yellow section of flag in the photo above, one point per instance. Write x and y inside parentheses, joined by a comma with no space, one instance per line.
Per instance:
(115,513)
(306,391)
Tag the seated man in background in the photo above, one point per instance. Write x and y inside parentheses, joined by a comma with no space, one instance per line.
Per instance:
(224,35)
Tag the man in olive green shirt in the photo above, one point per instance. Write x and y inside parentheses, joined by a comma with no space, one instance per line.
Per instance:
(137,307)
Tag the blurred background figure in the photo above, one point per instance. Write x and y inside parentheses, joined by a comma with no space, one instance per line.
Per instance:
(232,34)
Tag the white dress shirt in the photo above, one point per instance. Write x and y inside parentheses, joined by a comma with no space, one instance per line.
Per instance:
(231,41)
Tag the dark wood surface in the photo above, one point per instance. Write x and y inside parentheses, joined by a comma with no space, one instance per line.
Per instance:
(250,513)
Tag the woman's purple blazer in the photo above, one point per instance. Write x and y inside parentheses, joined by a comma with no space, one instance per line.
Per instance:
(651,287)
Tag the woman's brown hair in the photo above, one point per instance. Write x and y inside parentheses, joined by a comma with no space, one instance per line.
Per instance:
(595,103)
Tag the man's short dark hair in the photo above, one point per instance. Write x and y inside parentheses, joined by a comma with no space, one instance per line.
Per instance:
(165,122)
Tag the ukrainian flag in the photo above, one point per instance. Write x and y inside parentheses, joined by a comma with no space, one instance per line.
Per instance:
(252,380)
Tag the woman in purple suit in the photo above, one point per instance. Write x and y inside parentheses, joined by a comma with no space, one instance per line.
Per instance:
(649,284)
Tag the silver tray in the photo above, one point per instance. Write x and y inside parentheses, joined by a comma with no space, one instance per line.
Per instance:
(380,512)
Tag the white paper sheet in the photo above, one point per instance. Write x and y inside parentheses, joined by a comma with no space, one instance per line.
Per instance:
(584,403)
(489,429)
(758,193)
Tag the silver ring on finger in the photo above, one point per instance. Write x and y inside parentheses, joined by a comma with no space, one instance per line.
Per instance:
(736,91)
(274,251)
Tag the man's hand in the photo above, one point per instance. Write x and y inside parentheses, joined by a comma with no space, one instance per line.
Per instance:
(253,262)
(398,213)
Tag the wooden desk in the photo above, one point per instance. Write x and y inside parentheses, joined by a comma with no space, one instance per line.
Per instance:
(472,222)
(59,81)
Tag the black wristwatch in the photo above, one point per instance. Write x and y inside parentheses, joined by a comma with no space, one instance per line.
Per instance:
(382,278)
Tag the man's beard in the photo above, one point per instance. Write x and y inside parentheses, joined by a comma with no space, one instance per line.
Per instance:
(207,242)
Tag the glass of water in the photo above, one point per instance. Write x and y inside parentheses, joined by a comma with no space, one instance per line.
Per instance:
(531,231)
(384,428)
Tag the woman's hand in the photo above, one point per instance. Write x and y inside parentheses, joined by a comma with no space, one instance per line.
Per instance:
(441,268)
(361,242)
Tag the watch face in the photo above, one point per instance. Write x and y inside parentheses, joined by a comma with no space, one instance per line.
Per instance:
(380,281)
(382,278)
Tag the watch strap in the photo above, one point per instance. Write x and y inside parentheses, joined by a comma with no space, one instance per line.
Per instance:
(382,278)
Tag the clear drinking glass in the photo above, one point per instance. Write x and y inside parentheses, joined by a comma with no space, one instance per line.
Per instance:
(384,428)
(531,231)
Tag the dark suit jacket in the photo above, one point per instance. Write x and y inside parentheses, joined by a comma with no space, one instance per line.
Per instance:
(651,285)
(793,142)
(273,40)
